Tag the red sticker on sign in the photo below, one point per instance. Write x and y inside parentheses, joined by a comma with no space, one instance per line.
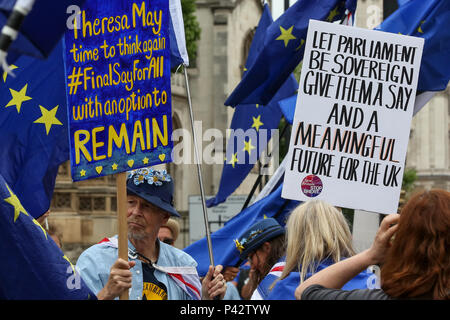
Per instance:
(312,186)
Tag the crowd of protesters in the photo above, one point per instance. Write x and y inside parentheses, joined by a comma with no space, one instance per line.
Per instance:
(312,257)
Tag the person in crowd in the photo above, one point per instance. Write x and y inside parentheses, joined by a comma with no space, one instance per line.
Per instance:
(242,280)
(230,273)
(263,245)
(318,236)
(43,218)
(55,234)
(412,250)
(155,270)
(51,229)
(168,233)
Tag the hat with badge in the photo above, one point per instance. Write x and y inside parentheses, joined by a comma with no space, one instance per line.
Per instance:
(153,186)
(254,237)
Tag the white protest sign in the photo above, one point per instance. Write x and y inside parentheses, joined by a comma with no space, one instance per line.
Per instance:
(353,116)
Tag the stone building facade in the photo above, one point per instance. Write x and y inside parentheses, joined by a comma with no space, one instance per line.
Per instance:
(85,212)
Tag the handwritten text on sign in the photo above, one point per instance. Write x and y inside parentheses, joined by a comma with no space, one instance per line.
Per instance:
(118,87)
(353,116)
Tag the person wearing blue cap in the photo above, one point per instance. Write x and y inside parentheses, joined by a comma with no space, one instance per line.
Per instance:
(263,244)
(155,270)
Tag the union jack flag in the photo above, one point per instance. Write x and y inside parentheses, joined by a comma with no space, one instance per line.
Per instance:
(185,277)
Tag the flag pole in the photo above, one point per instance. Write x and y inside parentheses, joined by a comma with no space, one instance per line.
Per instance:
(258,180)
(10,30)
(121,182)
(199,171)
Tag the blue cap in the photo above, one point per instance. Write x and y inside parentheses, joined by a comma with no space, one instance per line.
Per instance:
(254,237)
(153,186)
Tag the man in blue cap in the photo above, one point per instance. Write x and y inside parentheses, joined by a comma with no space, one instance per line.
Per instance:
(155,270)
(263,245)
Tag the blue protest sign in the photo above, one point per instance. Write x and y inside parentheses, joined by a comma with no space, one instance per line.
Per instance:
(117,62)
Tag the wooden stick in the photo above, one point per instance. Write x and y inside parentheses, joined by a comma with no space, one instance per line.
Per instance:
(122,221)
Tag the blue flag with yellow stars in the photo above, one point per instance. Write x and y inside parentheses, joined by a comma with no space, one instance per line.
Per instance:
(42,28)
(251,125)
(32,266)
(178,51)
(33,129)
(225,249)
(287,106)
(284,46)
(429,20)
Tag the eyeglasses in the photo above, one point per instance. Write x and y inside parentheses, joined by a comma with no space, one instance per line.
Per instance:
(168,241)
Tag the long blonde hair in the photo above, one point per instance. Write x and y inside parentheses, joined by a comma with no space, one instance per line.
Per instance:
(315,231)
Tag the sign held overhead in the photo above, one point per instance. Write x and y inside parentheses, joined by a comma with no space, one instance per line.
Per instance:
(353,115)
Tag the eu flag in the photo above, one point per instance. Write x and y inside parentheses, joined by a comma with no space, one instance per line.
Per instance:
(287,106)
(32,266)
(223,246)
(42,28)
(251,125)
(429,20)
(283,49)
(33,129)
(178,51)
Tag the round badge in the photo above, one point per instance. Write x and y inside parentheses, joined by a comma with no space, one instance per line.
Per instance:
(312,186)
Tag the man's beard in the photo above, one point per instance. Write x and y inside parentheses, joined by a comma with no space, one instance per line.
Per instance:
(135,233)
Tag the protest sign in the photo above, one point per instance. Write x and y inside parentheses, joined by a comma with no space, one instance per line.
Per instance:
(117,60)
(353,116)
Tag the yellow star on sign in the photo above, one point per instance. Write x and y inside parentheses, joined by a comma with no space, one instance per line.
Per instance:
(248,146)
(257,122)
(333,14)
(233,160)
(82,173)
(48,118)
(286,35)
(15,202)
(5,74)
(18,97)
(114,166)
(145,160)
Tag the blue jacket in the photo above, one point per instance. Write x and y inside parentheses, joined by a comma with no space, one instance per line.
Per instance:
(285,289)
(94,265)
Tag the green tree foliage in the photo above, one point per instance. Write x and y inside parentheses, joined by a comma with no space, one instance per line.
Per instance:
(191,28)
(409,177)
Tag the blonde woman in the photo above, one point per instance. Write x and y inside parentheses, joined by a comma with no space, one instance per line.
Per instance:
(317,236)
